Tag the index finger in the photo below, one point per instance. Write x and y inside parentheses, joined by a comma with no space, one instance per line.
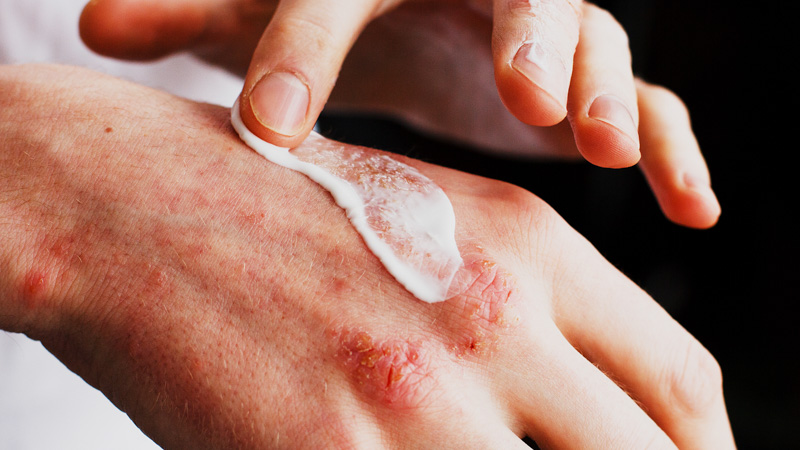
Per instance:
(296,64)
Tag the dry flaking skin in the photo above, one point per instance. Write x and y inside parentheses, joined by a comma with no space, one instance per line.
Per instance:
(405,219)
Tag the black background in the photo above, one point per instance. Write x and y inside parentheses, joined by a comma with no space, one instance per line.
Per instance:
(730,286)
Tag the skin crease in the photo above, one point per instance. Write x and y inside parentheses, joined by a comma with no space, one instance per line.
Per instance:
(432,65)
(197,311)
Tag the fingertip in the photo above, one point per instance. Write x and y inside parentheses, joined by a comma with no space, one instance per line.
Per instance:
(605,146)
(528,101)
(276,109)
(95,26)
(606,133)
(672,160)
(699,208)
(692,204)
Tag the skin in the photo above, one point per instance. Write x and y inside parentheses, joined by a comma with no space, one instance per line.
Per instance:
(251,315)
(309,39)
(442,66)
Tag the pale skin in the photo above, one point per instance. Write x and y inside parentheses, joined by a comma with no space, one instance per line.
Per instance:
(445,66)
(225,302)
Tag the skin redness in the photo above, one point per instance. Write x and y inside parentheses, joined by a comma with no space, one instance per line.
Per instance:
(405,219)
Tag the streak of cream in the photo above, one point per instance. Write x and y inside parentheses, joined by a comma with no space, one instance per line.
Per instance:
(404,218)
(541,50)
(537,54)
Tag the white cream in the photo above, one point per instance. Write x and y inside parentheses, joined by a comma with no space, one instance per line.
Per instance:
(537,54)
(542,51)
(405,219)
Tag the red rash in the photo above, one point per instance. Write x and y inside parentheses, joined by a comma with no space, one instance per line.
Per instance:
(393,371)
(483,308)
(34,287)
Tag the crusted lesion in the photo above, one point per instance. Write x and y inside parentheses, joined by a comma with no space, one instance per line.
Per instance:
(393,371)
(484,307)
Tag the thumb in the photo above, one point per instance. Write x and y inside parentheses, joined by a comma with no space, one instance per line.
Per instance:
(296,63)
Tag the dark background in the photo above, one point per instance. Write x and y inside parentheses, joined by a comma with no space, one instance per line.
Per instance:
(730,286)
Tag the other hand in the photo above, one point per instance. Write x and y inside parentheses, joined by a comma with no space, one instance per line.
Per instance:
(434,64)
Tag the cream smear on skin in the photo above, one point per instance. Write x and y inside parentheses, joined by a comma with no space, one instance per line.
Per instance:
(541,50)
(405,219)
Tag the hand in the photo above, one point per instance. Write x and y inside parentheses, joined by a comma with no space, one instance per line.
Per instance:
(431,64)
(440,73)
(538,57)
(250,314)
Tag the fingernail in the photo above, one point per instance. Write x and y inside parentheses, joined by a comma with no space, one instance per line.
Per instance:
(611,110)
(699,184)
(280,103)
(544,70)
(702,186)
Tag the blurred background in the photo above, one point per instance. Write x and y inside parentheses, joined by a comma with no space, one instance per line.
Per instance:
(730,286)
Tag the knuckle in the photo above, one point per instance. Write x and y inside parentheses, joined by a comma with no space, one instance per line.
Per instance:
(483,309)
(307,32)
(531,213)
(537,221)
(694,382)
(529,225)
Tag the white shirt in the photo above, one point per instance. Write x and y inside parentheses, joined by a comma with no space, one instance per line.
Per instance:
(42,404)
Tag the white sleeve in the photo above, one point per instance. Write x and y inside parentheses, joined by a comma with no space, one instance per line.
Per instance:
(42,404)
(47,31)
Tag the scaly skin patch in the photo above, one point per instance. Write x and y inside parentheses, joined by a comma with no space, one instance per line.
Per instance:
(399,371)
(483,308)
(395,372)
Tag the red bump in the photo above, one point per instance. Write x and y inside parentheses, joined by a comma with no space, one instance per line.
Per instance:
(34,286)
